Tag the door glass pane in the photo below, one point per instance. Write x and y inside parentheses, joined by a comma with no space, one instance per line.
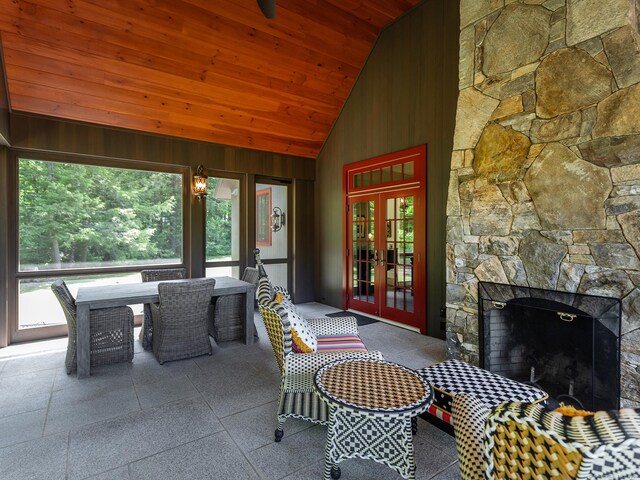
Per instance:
(223,219)
(375,177)
(363,224)
(408,170)
(366,179)
(277,273)
(396,172)
(399,253)
(356,180)
(272,212)
(271,206)
(83,216)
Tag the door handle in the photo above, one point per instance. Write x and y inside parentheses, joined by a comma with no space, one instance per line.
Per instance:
(375,257)
(383,255)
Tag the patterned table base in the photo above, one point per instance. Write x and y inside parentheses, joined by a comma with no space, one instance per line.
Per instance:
(371,407)
(386,439)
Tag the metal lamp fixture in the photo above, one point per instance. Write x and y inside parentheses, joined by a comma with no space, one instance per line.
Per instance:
(200,183)
(277,219)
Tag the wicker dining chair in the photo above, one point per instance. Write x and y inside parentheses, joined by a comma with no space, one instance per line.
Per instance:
(110,331)
(180,319)
(156,275)
(227,321)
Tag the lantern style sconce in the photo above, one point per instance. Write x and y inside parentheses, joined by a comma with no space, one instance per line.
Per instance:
(200,183)
(277,219)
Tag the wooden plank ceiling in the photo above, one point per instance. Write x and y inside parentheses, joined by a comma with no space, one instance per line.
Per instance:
(213,70)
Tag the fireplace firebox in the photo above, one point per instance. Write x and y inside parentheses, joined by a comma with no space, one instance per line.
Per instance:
(566,344)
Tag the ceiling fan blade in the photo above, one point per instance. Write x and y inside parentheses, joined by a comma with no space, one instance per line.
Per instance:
(268,8)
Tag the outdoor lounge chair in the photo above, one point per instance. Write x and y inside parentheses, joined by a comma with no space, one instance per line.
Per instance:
(337,338)
(227,322)
(156,275)
(180,319)
(110,331)
(523,440)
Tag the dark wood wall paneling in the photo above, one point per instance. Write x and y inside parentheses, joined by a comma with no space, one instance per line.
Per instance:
(303,240)
(4,101)
(4,237)
(38,133)
(405,95)
(4,140)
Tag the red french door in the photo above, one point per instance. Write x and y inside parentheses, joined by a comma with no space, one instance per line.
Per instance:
(386,243)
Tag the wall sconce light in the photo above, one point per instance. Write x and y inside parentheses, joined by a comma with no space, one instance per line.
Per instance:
(403,204)
(277,219)
(200,183)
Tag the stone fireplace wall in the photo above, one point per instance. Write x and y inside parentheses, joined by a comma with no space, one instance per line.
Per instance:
(544,188)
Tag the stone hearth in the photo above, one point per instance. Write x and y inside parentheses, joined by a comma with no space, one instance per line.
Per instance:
(544,189)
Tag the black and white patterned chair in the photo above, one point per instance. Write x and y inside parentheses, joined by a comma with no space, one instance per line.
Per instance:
(298,398)
(523,440)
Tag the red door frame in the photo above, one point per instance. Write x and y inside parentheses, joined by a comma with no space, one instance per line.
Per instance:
(417,184)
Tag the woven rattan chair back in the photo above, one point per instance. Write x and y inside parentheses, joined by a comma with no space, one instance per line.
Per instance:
(156,275)
(250,275)
(227,322)
(110,331)
(182,317)
(68,304)
(549,444)
(279,331)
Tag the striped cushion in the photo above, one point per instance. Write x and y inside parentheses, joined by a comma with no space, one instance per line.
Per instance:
(340,343)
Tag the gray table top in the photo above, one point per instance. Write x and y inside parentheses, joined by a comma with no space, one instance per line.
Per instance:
(147,292)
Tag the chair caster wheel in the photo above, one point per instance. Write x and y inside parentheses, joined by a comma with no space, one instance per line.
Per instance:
(335,472)
(279,434)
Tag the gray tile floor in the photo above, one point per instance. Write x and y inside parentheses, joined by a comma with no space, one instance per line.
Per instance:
(202,418)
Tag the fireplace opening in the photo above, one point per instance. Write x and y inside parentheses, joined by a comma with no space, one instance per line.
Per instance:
(564,343)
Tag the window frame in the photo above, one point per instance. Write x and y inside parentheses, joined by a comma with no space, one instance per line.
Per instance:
(242,260)
(15,275)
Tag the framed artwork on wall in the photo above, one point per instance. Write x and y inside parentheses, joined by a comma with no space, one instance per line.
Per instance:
(263,217)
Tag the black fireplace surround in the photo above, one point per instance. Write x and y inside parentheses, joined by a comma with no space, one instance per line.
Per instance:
(567,344)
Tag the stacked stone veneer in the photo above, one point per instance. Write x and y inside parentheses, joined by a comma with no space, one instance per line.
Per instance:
(545,174)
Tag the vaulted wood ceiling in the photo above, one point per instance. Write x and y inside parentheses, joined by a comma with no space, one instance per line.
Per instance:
(213,70)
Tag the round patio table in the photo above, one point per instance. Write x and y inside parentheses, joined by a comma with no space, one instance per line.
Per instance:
(371,407)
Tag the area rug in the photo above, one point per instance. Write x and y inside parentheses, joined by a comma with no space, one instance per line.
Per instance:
(362,319)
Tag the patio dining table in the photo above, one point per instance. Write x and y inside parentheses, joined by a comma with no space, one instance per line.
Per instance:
(91,298)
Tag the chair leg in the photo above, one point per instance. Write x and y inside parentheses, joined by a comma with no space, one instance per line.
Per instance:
(279,430)
(414,425)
